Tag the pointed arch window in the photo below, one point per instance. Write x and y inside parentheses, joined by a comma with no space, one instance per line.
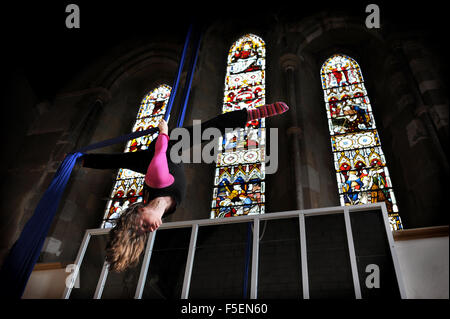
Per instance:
(361,170)
(239,185)
(128,186)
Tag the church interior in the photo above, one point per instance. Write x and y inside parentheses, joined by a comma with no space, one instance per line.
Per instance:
(367,124)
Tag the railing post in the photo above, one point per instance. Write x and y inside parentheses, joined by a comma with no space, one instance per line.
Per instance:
(101,281)
(145,265)
(351,250)
(303,256)
(255,260)
(78,261)
(189,262)
(387,226)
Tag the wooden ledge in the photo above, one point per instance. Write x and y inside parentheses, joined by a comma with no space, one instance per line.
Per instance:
(48,266)
(420,233)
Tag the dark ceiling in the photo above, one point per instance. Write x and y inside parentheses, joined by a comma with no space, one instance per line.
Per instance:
(36,41)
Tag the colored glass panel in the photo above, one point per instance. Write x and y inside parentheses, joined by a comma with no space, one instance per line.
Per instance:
(237,81)
(246,194)
(233,158)
(128,187)
(354,140)
(248,138)
(239,181)
(230,211)
(241,173)
(361,171)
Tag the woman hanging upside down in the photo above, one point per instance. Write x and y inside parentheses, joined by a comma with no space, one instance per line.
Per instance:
(164,186)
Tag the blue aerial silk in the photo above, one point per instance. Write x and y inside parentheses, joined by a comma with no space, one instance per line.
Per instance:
(19,264)
(23,255)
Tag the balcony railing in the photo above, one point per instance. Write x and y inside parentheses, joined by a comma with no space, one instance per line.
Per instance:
(358,260)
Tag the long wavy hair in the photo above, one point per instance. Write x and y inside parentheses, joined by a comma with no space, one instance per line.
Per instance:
(126,240)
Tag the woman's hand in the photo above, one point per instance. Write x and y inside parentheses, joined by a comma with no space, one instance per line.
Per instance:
(150,218)
(163,127)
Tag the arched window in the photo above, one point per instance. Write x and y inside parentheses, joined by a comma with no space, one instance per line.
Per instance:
(361,170)
(128,186)
(239,185)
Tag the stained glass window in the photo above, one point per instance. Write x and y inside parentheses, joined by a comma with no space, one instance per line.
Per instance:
(128,187)
(361,170)
(239,185)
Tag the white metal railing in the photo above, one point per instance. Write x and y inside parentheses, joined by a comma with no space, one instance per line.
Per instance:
(195,224)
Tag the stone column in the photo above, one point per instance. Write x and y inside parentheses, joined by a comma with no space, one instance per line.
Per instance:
(289,63)
(432,107)
(90,106)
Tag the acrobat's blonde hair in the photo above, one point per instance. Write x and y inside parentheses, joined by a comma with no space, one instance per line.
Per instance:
(126,240)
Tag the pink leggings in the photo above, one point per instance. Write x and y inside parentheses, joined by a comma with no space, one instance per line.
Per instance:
(158,175)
